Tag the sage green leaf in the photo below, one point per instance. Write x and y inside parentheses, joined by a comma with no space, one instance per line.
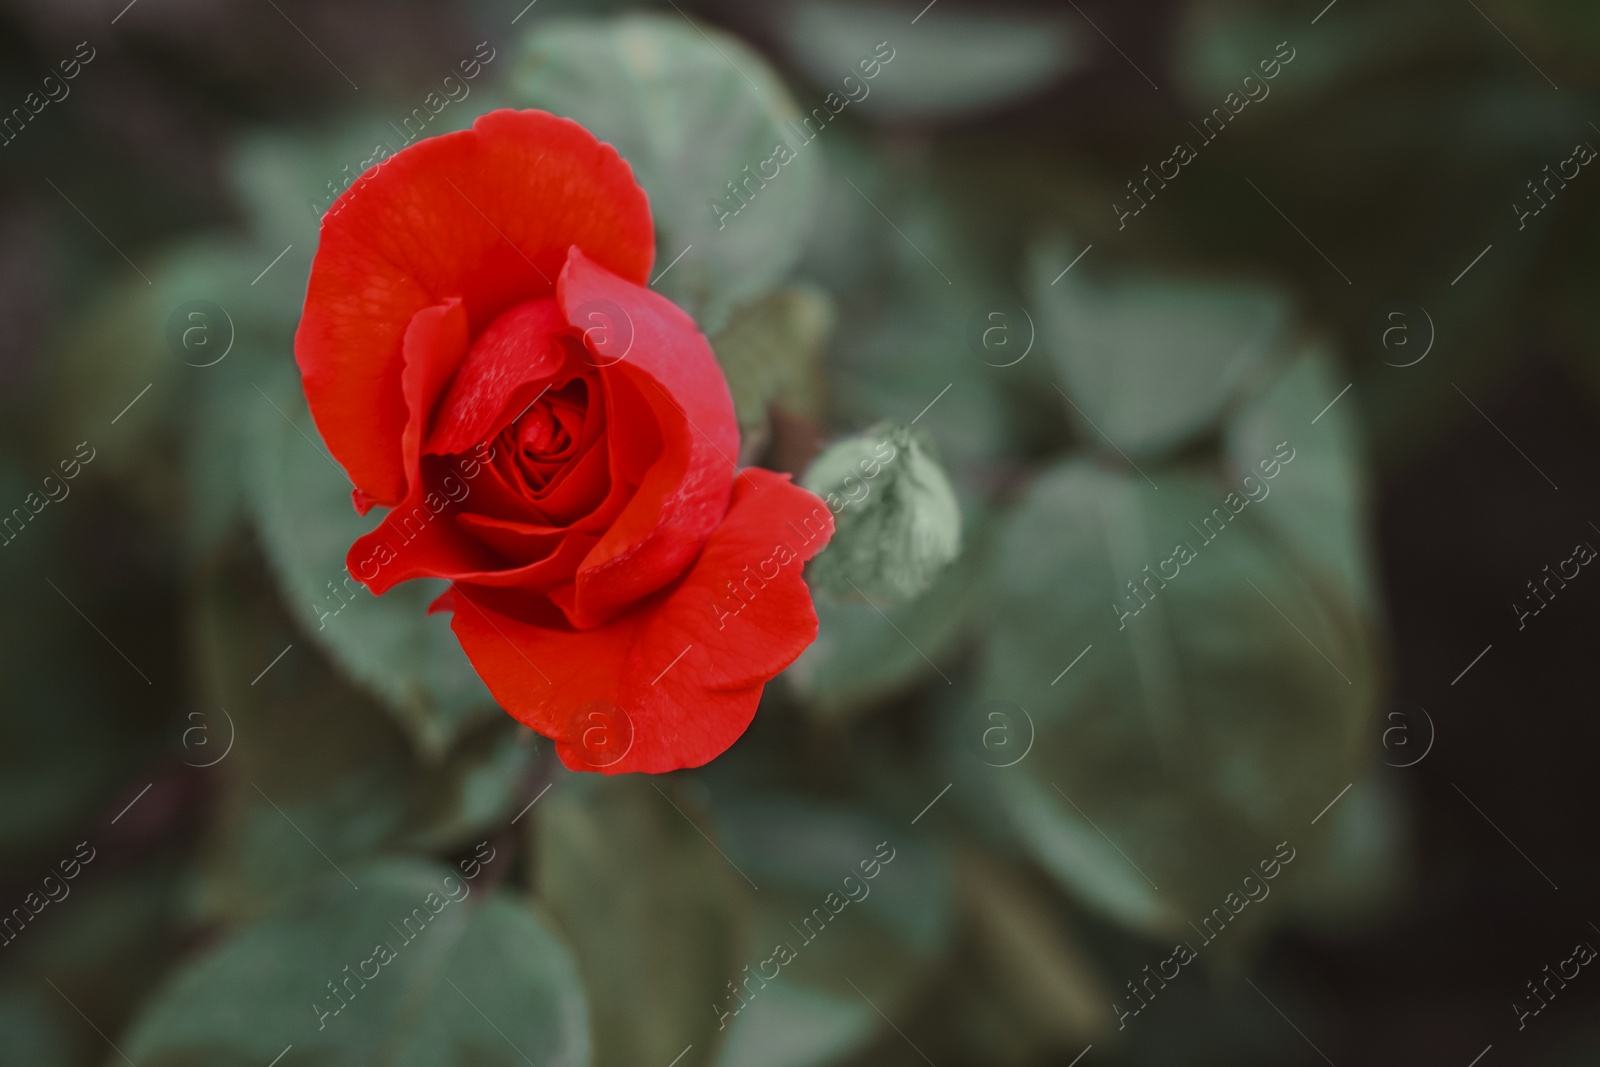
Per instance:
(706,126)
(653,913)
(1030,956)
(951,64)
(419,966)
(286,183)
(771,350)
(1219,48)
(150,356)
(1359,875)
(794,1026)
(465,796)
(863,909)
(1149,363)
(389,645)
(896,520)
(865,652)
(359,790)
(1319,513)
(346,792)
(905,347)
(1181,727)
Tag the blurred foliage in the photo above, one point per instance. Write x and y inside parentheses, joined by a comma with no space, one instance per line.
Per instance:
(771,353)
(361,790)
(685,110)
(963,63)
(439,968)
(654,915)
(1072,753)
(300,502)
(809,866)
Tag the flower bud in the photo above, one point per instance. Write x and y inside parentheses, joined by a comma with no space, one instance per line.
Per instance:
(896,518)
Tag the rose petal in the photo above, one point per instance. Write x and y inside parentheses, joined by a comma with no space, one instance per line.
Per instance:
(684,493)
(511,358)
(487,215)
(417,540)
(433,348)
(579,488)
(686,669)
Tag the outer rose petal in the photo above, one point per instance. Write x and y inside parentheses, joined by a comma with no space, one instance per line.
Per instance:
(486,214)
(677,681)
(519,350)
(435,343)
(683,494)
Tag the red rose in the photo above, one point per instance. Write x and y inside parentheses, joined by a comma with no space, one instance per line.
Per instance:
(481,354)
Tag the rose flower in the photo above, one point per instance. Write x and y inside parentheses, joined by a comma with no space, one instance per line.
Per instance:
(481,354)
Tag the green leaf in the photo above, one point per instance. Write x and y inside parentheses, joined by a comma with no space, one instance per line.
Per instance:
(473,979)
(953,64)
(843,951)
(689,108)
(199,308)
(793,1026)
(652,912)
(771,349)
(473,789)
(1218,48)
(1318,514)
(1029,956)
(357,791)
(865,653)
(897,523)
(390,645)
(1359,875)
(1172,745)
(905,347)
(1149,363)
